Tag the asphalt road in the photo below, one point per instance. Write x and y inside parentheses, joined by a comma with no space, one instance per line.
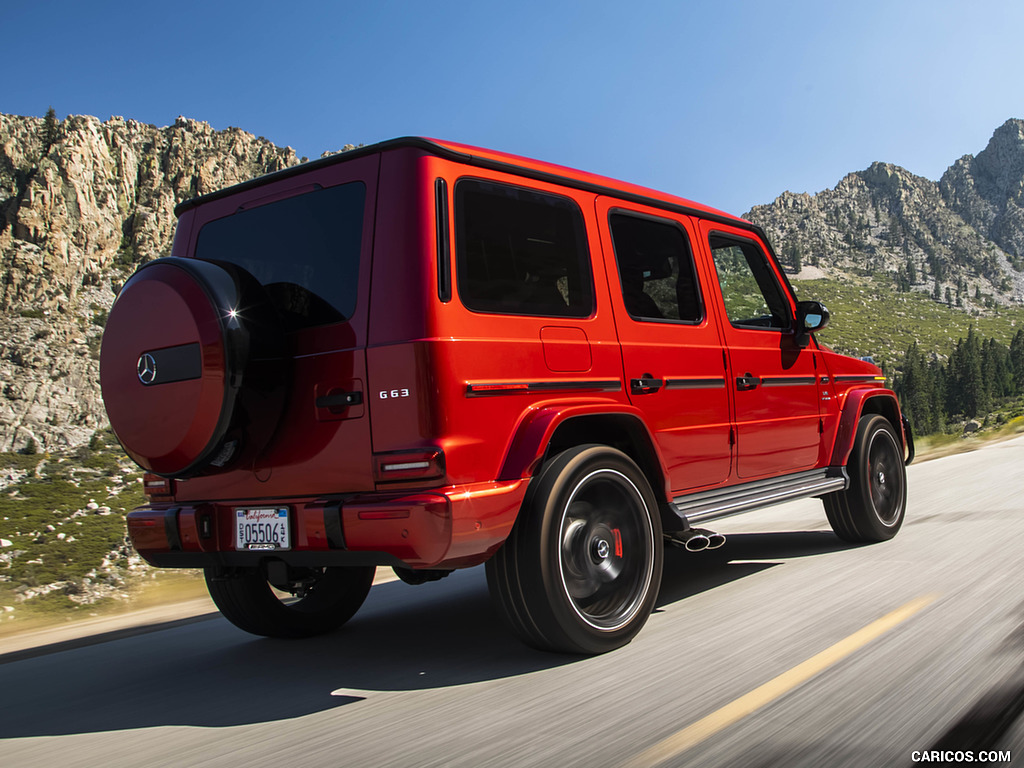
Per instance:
(784,648)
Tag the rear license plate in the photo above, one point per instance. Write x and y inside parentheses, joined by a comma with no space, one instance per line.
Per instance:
(262,528)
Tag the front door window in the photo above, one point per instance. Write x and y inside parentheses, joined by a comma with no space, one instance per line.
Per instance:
(774,380)
(751,295)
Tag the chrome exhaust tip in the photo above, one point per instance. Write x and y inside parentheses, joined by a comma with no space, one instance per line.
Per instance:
(715,540)
(697,543)
(692,540)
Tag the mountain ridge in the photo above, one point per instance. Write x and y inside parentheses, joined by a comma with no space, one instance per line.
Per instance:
(83,202)
(964,232)
(77,213)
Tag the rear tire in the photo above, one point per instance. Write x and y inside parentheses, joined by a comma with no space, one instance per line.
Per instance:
(327,598)
(873,507)
(581,570)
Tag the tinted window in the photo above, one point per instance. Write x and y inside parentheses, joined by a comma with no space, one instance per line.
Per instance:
(656,269)
(752,295)
(520,252)
(304,250)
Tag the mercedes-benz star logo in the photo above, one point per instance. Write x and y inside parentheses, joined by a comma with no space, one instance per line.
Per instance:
(147,368)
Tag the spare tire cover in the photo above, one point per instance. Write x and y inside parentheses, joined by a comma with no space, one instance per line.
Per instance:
(171,363)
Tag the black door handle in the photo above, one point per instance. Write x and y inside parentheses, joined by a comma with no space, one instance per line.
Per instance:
(339,400)
(747,382)
(645,385)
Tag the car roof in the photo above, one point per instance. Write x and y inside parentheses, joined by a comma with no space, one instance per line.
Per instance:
(577,178)
(488,158)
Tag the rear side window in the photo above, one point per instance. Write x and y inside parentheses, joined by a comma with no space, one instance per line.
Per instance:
(304,250)
(656,271)
(522,252)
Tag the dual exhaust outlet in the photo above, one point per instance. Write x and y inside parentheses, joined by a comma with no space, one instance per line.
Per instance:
(696,539)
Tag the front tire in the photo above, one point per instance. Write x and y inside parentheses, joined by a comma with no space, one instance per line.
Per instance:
(581,570)
(326,599)
(873,507)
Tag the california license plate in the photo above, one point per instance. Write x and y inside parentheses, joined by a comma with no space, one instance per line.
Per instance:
(262,528)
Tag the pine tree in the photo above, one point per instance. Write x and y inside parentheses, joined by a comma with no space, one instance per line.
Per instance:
(1016,362)
(902,281)
(967,391)
(51,128)
(940,384)
(915,387)
(996,370)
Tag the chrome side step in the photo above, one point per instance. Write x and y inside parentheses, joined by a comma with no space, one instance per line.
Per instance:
(737,499)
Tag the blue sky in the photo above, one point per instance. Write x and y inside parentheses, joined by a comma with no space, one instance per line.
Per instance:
(727,103)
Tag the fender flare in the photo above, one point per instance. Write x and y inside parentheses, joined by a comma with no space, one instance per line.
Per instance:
(868,400)
(532,436)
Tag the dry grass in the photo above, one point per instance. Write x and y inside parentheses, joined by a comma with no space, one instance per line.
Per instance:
(937,446)
(164,589)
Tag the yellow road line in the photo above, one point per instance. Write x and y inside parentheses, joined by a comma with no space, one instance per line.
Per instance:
(692,735)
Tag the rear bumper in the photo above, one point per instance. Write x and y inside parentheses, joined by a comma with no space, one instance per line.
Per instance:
(450,527)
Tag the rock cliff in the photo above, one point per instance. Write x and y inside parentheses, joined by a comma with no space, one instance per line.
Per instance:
(987,191)
(960,239)
(82,203)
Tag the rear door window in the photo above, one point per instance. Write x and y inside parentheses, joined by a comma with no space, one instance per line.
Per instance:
(656,270)
(519,251)
(304,250)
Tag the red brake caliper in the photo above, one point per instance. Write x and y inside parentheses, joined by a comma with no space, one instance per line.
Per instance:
(618,541)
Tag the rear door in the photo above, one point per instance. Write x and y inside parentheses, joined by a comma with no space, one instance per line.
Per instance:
(671,350)
(774,381)
(308,241)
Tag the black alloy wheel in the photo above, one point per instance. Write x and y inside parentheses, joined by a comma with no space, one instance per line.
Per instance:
(581,569)
(873,507)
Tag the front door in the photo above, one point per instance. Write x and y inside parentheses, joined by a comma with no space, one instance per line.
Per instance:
(774,381)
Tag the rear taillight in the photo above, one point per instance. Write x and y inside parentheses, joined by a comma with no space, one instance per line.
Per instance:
(148,530)
(426,464)
(155,486)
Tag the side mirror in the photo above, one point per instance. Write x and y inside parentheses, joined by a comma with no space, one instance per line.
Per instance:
(810,316)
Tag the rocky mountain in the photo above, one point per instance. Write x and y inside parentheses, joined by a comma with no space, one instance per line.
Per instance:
(988,190)
(83,202)
(960,239)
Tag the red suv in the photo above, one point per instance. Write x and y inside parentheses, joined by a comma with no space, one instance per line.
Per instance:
(430,356)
